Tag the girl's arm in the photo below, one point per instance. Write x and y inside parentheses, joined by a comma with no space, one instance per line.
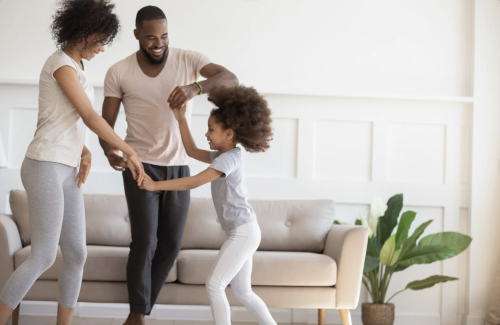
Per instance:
(68,80)
(187,139)
(181,184)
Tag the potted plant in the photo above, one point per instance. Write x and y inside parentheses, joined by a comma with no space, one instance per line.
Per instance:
(389,252)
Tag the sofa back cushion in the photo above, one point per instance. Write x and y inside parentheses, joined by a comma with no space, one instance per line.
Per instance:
(106,218)
(299,225)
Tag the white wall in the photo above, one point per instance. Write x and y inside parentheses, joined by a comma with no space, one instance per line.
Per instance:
(369,98)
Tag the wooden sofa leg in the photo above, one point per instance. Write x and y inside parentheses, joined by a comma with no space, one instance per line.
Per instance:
(15,315)
(321,316)
(345,316)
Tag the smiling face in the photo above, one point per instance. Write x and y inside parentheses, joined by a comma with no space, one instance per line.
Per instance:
(92,48)
(153,39)
(219,138)
(87,48)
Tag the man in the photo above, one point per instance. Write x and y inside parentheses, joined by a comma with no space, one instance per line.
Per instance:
(150,82)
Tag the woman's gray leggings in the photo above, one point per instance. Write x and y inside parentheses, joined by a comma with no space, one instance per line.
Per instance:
(57,216)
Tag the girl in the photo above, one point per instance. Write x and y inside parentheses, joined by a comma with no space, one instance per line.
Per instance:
(80,28)
(241,116)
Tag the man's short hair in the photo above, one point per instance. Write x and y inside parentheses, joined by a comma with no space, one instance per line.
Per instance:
(148,13)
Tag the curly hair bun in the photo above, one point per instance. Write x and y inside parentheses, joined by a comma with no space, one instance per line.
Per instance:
(76,20)
(246,112)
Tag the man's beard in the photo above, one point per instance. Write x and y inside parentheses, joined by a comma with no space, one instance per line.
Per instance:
(152,59)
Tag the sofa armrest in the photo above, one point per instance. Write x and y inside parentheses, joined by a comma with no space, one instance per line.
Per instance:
(10,243)
(347,246)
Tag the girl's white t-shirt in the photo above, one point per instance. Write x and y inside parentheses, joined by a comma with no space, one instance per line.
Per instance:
(60,132)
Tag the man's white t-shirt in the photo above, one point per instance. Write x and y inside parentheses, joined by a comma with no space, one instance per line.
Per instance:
(152,130)
(60,132)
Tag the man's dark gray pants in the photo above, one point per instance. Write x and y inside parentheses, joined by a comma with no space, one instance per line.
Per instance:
(157,221)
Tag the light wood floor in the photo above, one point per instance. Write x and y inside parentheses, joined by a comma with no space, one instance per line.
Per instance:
(49,320)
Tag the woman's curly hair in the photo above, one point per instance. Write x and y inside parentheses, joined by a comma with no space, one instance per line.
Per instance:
(76,20)
(245,111)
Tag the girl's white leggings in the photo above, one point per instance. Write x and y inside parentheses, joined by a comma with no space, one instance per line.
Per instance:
(234,265)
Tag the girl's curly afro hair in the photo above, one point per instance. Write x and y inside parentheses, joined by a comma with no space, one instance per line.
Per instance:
(245,111)
(76,20)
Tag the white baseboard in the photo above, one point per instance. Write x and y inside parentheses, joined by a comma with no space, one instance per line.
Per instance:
(201,313)
(239,314)
(40,308)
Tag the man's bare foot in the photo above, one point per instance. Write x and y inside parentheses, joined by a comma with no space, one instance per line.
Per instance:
(135,319)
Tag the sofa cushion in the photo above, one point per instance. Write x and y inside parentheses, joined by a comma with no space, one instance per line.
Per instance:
(269,268)
(107,220)
(106,217)
(298,225)
(104,263)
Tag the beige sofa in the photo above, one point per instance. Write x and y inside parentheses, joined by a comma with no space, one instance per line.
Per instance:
(304,260)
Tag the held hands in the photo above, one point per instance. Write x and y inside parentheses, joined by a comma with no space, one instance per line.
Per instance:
(116,161)
(148,184)
(181,95)
(85,165)
(136,167)
(180,113)
(120,163)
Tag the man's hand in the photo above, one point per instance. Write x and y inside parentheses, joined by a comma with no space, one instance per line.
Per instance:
(148,184)
(84,171)
(181,95)
(116,161)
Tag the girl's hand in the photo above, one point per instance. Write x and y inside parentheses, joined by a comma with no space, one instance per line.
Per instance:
(84,171)
(180,113)
(148,184)
(136,167)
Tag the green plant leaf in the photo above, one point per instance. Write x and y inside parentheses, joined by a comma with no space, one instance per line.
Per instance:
(388,222)
(388,254)
(404,227)
(454,241)
(357,222)
(425,283)
(429,282)
(425,255)
(436,247)
(410,243)
(371,263)
(371,248)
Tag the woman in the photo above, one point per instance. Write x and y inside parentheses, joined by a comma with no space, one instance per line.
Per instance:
(49,173)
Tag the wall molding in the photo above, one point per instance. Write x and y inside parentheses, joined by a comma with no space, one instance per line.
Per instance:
(459,99)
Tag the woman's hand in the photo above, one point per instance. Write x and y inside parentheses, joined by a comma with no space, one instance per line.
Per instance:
(180,113)
(148,183)
(85,165)
(136,167)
